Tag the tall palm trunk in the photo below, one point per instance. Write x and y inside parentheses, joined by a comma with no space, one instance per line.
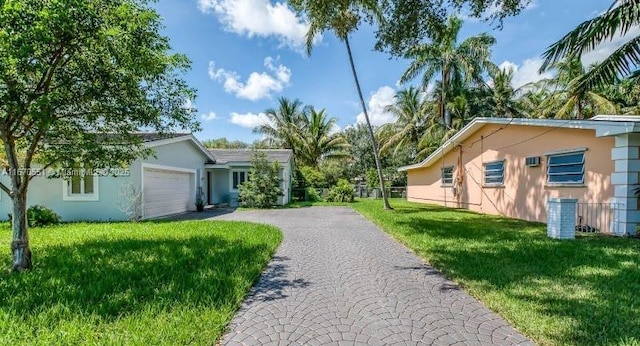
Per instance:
(374,144)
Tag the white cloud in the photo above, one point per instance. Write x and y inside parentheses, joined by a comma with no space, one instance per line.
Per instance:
(605,49)
(527,72)
(259,85)
(335,129)
(378,101)
(209,117)
(259,18)
(249,120)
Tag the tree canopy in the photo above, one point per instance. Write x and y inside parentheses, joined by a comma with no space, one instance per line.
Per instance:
(78,80)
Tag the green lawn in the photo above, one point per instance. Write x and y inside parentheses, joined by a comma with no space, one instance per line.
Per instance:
(151,283)
(582,292)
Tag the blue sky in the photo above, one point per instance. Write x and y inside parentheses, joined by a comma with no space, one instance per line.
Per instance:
(247,53)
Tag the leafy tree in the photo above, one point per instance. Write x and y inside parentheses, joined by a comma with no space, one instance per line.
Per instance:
(284,126)
(623,62)
(312,177)
(317,141)
(343,17)
(361,157)
(625,95)
(224,143)
(78,78)
(408,22)
(262,188)
(456,64)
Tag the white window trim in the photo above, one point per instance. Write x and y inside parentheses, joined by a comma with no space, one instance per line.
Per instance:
(561,153)
(246,175)
(484,173)
(94,197)
(453,173)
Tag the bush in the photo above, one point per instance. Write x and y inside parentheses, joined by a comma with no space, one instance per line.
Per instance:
(39,215)
(312,177)
(341,192)
(313,195)
(263,187)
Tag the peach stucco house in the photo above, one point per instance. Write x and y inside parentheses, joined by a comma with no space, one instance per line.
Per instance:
(512,167)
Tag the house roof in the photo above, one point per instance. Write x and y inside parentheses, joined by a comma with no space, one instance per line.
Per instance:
(225,156)
(155,136)
(604,125)
(153,139)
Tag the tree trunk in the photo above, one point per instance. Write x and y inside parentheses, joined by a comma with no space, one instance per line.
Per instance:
(444,115)
(374,143)
(20,250)
(579,114)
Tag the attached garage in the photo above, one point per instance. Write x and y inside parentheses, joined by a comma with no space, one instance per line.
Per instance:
(167,191)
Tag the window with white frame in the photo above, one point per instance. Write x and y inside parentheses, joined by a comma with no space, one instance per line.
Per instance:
(237,178)
(80,185)
(494,173)
(566,168)
(447,175)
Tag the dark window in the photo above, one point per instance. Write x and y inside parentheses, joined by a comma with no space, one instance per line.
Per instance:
(494,173)
(566,168)
(447,175)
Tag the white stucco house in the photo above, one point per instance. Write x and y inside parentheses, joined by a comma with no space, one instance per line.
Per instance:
(165,184)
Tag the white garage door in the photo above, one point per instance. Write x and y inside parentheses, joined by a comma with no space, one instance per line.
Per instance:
(167,192)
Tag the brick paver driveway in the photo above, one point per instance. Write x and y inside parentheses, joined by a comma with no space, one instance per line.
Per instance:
(338,279)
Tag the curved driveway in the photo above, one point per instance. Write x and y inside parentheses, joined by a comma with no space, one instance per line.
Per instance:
(338,279)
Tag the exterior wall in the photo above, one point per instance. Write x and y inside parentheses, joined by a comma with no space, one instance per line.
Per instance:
(181,154)
(286,173)
(219,188)
(525,191)
(49,192)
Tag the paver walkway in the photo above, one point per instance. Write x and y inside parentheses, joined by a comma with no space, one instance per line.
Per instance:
(338,279)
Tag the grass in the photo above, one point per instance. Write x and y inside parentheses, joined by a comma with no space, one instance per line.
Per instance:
(582,292)
(155,283)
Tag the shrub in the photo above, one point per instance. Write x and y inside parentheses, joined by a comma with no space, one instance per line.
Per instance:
(263,187)
(341,192)
(312,177)
(39,215)
(313,195)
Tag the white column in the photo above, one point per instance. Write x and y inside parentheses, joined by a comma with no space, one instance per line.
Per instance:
(561,218)
(625,180)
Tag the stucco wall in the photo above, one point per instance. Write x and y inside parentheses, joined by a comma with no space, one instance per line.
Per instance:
(219,188)
(183,154)
(525,190)
(49,192)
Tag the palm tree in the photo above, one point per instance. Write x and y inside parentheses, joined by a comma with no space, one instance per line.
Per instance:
(568,100)
(410,124)
(456,64)
(318,141)
(342,17)
(532,99)
(502,95)
(284,126)
(621,16)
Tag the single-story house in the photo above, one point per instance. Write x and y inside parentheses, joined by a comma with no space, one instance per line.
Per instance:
(512,167)
(231,167)
(164,184)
